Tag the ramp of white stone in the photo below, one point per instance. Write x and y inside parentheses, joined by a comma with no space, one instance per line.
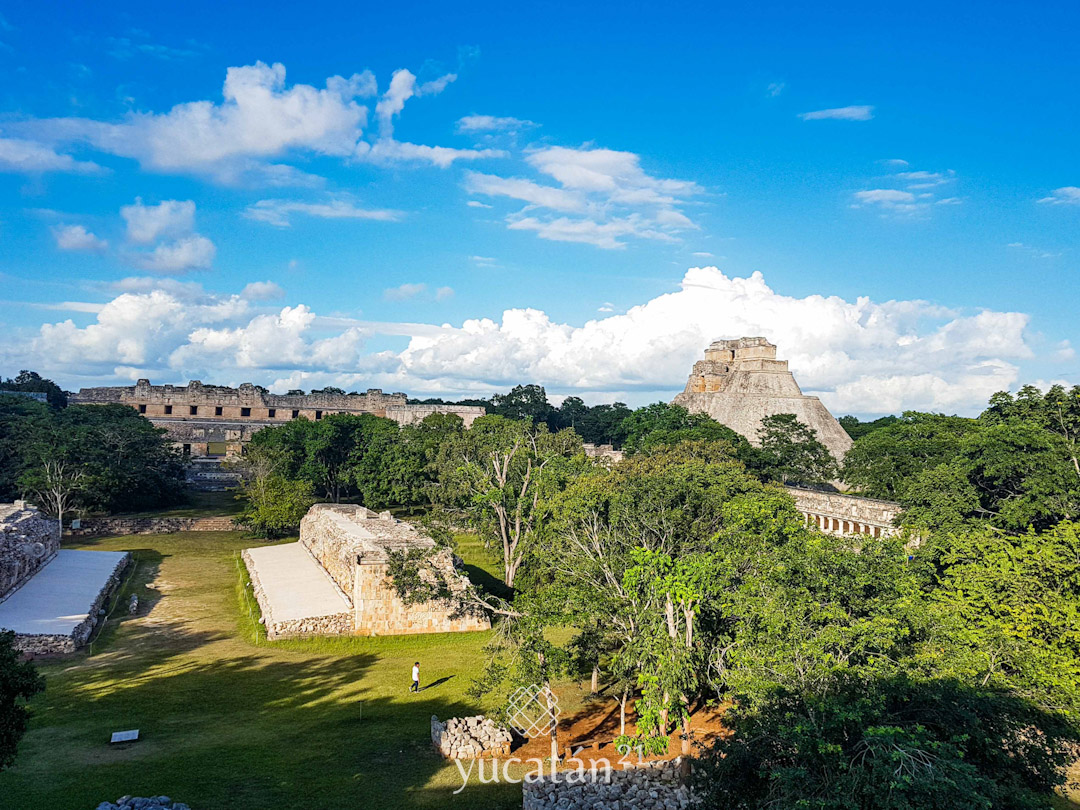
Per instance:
(293,586)
(58,597)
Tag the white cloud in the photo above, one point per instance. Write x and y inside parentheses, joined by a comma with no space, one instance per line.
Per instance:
(278,212)
(147,224)
(262,291)
(390,151)
(607,191)
(775,89)
(856,112)
(444,293)
(857,355)
(1065,351)
(402,87)
(1066,195)
(477,204)
(404,292)
(492,123)
(922,179)
(702,254)
(896,163)
(18,155)
(915,198)
(258,118)
(192,252)
(77,238)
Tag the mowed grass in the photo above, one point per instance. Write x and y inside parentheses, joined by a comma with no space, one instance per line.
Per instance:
(228,720)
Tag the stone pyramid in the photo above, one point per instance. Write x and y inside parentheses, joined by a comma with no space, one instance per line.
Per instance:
(740,382)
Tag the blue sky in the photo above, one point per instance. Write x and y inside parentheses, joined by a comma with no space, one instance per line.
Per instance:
(445,200)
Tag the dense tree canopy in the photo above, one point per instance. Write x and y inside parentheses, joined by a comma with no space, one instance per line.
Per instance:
(19,681)
(124,463)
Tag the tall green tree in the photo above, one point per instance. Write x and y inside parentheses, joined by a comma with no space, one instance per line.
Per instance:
(19,681)
(500,473)
(791,452)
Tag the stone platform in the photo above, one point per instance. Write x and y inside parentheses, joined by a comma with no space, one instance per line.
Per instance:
(56,609)
(296,595)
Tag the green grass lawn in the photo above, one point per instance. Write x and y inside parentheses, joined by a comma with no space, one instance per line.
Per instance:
(227,722)
(197,504)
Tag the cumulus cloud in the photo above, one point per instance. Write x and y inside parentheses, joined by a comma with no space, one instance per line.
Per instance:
(172,220)
(262,291)
(608,193)
(147,224)
(278,212)
(78,238)
(1066,195)
(492,123)
(258,118)
(192,252)
(404,292)
(856,112)
(858,355)
(29,157)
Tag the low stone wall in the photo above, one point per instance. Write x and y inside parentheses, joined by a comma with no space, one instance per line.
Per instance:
(335,624)
(470,737)
(649,786)
(159,525)
(380,612)
(35,644)
(143,803)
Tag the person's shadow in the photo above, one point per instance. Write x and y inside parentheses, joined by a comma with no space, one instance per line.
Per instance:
(433,684)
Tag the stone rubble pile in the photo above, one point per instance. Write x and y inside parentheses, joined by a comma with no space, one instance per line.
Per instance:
(141,803)
(470,737)
(649,786)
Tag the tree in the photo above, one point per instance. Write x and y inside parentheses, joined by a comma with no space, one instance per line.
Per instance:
(526,403)
(883,462)
(1004,611)
(663,425)
(275,505)
(857,429)
(791,451)
(891,744)
(19,681)
(33,382)
(57,485)
(499,473)
(330,389)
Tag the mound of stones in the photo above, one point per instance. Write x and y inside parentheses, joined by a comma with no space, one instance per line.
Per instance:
(649,786)
(470,737)
(143,803)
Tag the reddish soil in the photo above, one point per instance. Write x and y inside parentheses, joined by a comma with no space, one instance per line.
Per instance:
(591,731)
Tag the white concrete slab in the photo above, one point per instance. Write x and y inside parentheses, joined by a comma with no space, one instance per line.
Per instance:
(58,597)
(294,584)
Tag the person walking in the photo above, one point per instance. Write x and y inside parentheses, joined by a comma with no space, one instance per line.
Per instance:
(415,678)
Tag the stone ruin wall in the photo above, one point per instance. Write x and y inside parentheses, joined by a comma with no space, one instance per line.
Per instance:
(28,540)
(648,786)
(380,612)
(359,569)
(475,737)
(103,527)
(334,624)
(836,513)
(49,644)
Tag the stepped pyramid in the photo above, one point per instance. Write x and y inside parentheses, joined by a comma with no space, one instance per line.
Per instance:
(740,382)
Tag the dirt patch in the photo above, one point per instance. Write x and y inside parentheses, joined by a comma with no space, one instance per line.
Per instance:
(589,733)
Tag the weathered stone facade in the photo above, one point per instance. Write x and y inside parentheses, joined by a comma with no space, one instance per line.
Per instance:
(349,545)
(28,540)
(214,420)
(352,544)
(836,513)
(649,786)
(740,382)
(470,737)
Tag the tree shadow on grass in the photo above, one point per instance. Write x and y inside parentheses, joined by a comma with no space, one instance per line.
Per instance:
(243,732)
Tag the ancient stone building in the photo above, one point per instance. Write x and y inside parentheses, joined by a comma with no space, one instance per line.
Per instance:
(335,580)
(214,420)
(740,382)
(837,513)
(28,540)
(50,597)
